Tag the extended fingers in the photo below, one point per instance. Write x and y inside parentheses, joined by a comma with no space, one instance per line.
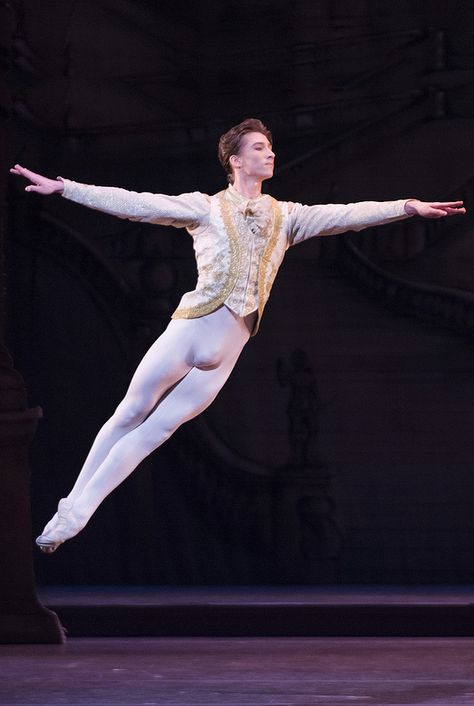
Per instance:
(27,173)
(453,208)
(446,204)
(454,211)
(439,209)
(18,169)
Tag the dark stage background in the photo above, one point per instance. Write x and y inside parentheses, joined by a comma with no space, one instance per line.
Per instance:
(341,448)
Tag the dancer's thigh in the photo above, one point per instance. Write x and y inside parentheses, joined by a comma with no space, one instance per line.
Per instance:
(168,360)
(220,336)
(208,342)
(204,344)
(191,396)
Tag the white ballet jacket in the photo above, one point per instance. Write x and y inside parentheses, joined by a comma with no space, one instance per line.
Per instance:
(239,242)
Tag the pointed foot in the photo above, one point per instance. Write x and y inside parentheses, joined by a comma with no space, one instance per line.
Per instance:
(66,526)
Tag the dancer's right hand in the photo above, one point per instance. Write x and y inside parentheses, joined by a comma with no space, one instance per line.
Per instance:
(39,183)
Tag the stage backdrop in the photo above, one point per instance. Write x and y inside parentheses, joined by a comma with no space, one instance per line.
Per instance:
(340,449)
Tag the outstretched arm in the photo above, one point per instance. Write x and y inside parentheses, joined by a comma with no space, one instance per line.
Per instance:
(182,211)
(329,219)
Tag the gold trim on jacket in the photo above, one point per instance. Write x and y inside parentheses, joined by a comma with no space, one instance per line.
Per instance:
(233,224)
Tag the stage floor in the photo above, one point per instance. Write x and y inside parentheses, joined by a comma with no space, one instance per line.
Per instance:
(239,672)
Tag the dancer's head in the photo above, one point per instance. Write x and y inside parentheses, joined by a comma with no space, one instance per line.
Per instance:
(247,146)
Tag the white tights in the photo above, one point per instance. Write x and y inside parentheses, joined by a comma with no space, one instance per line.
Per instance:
(177,379)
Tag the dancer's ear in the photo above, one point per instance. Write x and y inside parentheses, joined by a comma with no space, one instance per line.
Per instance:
(235,161)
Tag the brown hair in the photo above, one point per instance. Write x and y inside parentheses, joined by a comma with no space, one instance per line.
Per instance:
(229,143)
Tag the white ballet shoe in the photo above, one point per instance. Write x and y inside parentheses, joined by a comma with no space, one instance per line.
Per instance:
(47,529)
(61,527)
(50,524)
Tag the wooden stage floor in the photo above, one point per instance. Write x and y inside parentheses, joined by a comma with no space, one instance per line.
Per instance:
(239,672)
(249,646)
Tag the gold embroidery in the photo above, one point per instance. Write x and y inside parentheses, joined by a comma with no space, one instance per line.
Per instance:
(265,281)
(231,274)
(244,296)
(236,229)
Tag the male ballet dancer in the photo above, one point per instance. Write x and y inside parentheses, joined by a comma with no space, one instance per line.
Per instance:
(240,237)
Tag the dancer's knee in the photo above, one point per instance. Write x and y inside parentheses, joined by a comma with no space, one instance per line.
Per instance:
(129,414)
(147,439)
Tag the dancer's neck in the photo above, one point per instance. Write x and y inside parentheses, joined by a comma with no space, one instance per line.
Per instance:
(251,187)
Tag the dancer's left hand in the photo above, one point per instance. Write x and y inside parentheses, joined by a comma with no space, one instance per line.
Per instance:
(434,209)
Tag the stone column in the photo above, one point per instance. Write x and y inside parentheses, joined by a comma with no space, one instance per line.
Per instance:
(22,618)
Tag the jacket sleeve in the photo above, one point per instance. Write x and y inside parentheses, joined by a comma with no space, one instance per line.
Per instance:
(183,211)
(329,219)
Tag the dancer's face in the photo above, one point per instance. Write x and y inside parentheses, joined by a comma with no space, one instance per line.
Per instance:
(255,158)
